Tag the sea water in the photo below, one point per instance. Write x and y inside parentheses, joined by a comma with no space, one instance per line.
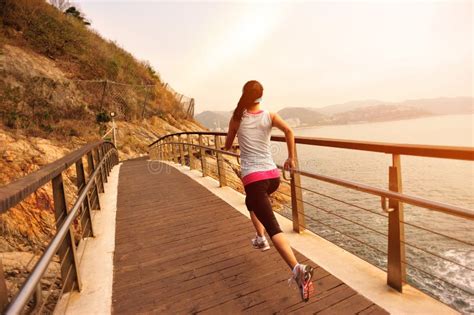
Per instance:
(438,265)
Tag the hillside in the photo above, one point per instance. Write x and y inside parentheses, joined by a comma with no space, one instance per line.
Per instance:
(376,111)
(214,119)
(348,106)
(300,116)
(59,82)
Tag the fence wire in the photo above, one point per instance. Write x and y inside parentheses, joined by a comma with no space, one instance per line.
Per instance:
(43,100)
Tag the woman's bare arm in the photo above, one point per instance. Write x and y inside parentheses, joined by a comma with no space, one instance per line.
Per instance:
(232,131)
(278,122)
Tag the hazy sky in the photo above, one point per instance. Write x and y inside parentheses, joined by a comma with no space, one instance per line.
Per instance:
(305,53)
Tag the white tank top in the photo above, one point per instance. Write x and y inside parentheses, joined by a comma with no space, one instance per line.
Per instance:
(254,140)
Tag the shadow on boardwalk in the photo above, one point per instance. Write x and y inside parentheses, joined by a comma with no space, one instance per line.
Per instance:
(181,249)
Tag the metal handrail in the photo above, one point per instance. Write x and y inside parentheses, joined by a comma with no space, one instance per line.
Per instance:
(435,151)
(13,193)
(105,155)
(413,200)
(167,148)
(112,130)
(208,133)
(29,287)
(107,133)
(448,152)
(206,147)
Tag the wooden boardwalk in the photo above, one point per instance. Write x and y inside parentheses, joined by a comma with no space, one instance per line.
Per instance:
(181,249)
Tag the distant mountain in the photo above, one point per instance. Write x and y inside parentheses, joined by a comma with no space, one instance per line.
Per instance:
(357,112)
(378,113)
(302,116)
(214,119)
(344,107)
(376,110)
(443,105)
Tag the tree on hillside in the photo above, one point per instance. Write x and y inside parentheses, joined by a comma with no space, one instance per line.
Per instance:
(62,5)
(69,9)
(72,11)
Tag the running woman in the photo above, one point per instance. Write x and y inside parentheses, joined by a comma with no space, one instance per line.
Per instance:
(261,177)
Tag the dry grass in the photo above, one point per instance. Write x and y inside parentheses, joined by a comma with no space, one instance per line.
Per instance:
(46,30)
(79,53)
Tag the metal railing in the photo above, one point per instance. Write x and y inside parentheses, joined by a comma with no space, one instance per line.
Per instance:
(206,147)
(101,157)
(111,134)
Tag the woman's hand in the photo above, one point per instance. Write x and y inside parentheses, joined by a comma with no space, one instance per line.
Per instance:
(289,165)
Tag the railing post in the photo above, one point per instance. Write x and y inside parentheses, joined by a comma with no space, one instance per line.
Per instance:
(100,177)
(220,162)
(161,149)
(190,152)
(114,132)
(171,149)
(104,167)
(181,151)
(107,162)
(90,163)
(3,289)
(81,182)
(297,206)
(175,151)
(396,273)
(155,152)
(167,150)
(203,156)
(67,250)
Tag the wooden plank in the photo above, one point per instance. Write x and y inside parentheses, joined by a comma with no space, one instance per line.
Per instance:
(67,250)
(396,269)
(95,204)
(81,183)
(297,205)
(180,249)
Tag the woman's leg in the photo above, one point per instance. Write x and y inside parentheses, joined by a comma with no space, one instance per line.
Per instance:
(281,244)
(258,202)
(257,224)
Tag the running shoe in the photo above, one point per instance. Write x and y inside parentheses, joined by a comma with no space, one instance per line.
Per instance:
(303,277)
(263,245)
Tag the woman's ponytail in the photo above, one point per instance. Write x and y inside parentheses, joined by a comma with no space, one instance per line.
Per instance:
(252,91)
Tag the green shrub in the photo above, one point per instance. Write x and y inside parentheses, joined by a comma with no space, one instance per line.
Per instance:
(102,117)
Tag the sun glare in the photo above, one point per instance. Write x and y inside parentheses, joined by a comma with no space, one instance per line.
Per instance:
(241,37)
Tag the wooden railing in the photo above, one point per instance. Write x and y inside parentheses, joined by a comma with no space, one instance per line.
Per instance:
(185,147)
(101,157)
